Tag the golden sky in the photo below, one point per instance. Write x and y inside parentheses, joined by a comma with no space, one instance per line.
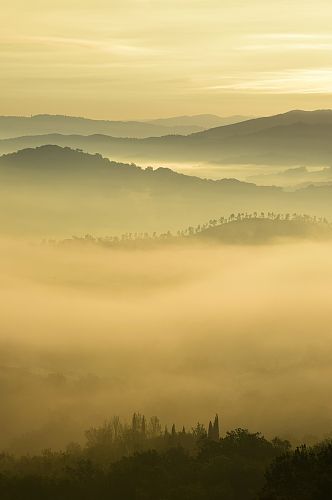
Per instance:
(123,59)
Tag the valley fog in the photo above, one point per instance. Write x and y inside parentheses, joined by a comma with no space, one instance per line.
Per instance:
(180,332)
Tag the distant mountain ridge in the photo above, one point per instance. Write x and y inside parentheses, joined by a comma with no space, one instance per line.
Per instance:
(13,126)
(293,138)
(205,121)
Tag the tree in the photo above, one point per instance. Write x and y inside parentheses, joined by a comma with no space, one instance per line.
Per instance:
(154,427)
(216,433)
(304,474)
(134,423)
(199,432)
(210,431)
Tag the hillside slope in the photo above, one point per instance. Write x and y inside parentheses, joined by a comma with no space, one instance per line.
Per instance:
(293,138)
(264,230)
(59,191)
(13,126)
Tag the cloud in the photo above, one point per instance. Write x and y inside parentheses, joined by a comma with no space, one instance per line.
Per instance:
(288,46)
(121,47)
(293,81)
(276,42)
(292,36)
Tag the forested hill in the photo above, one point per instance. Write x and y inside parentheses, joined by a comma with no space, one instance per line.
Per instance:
(260,229)
(54,191)
(57,162)
(240,229)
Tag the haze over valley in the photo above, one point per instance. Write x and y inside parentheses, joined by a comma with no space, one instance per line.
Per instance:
(165,250)
(131,242)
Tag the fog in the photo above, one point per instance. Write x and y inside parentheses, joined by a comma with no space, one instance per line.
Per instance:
(212,170)
(181,332)
(293,177)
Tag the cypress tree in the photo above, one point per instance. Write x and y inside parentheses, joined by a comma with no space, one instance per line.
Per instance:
(210,431)
(216,433)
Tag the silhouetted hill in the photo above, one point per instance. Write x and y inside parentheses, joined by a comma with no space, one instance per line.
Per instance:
(295,177)
(243,229)
(54,190)
(13,126)
(318,117)
(264,230)
(56,162)
(291,138)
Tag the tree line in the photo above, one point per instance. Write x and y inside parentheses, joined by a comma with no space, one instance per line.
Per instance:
(143,460)
(130,238)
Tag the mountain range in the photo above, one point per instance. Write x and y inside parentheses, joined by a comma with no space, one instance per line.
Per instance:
(13,126)
(293,138)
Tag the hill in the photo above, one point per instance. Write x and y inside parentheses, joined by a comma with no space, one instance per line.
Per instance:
(243,229)
(51,162)
(14,126)
(260,230)
(295,177)
(293,138)
(59,191)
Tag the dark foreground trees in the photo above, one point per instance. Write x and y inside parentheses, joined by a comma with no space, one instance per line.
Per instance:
(304,474)
(140,461)
(187,466)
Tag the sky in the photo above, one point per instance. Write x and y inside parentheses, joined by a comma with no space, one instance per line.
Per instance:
(135,59)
